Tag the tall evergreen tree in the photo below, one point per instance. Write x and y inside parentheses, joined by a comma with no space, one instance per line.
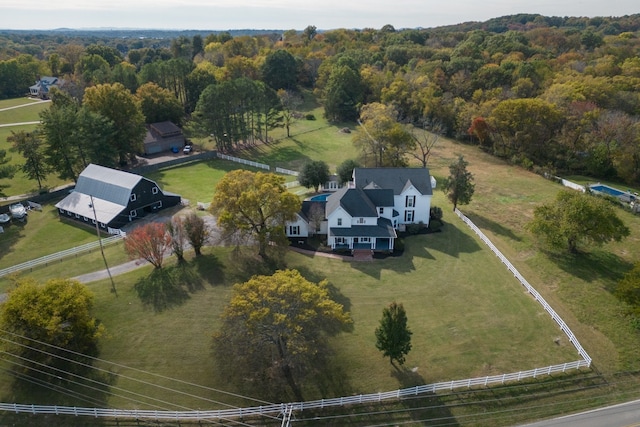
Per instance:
(393,336)
(459,186)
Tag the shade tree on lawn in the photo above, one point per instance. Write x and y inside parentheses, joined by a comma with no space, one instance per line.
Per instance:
(30,146)
(275,329)
(196,231)
(393,336)
(575,220)
(149,242)
(253,208)
(49,330)
(314,174)
(459,186)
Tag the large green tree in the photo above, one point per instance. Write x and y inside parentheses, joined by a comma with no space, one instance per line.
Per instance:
(254,207)
(237,111)
(575,219)
(276,326)
(393,336)
(314,174)
(31,146)
(343,94)
(280,70)
(526,128)
(345,170)
(628,289)
(49,329)
(159,104)
(459,186)
(382,140)
(121,107)
(6,170)
(73,137)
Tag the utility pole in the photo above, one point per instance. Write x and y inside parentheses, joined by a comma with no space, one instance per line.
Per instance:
(104,258)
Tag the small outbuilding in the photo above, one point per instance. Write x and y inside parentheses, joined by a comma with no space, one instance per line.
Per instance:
(113,198)
(163,136)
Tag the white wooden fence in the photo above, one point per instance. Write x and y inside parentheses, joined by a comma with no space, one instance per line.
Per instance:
(48,259)
(529,288)
(287,171)
(244,162)
(278,410)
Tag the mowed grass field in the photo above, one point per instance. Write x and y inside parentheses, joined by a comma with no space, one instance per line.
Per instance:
(20,184)
(462,328)
(468,315)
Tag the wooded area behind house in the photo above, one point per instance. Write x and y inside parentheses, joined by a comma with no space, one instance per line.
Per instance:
(548,93)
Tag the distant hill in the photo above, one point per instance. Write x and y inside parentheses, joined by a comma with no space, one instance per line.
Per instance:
(135,32)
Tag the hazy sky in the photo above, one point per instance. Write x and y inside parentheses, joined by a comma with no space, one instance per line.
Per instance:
(285,14)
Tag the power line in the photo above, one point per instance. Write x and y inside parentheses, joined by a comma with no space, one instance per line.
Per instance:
(131,368)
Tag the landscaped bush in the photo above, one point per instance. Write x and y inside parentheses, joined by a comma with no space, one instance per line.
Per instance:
(310,116)
(435,218)
(415,228)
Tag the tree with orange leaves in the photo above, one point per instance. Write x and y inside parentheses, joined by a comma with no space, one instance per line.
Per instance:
(149,241)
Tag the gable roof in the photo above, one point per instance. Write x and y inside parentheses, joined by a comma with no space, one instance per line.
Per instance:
(380,197)
(353,201)
(306,211)
(396,179)
(107,184)
(165,129)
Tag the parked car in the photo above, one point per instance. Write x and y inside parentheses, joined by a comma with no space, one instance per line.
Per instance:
(187,149)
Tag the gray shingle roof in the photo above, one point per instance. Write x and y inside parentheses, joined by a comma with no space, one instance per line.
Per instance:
(107,184)
(396,179)
(353,201)
(380,197)
(306,210)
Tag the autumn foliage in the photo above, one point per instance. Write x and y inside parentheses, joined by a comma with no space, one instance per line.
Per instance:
(150,242)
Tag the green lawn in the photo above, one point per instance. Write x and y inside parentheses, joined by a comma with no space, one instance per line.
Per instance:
(23,114)
(20,184)
(468,315)
(461,328)
(6,103)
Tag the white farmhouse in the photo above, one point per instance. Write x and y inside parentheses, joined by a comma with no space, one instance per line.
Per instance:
(366,214)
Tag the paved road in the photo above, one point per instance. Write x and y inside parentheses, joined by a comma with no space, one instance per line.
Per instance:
(623,415)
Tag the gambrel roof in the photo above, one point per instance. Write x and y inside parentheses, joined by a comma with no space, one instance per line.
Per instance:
(396,179)
(107,184)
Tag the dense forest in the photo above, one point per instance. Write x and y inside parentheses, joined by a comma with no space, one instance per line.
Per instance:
(552,94)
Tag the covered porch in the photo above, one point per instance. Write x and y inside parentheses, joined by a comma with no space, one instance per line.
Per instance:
(379,238)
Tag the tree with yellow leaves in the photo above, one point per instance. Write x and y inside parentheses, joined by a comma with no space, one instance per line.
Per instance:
(256,206)
(278,326)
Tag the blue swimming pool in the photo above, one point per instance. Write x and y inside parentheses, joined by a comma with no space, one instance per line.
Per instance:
(320,197)
(601,188)
(623,196)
